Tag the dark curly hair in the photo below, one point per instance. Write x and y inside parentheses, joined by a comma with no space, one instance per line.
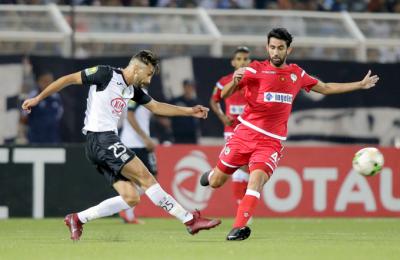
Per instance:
(281,34)
(148,57)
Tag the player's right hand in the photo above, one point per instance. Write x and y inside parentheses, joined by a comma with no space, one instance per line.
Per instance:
(29,103)
(238,74)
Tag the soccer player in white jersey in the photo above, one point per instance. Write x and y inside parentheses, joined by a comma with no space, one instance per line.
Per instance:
(110,90)
(135,134)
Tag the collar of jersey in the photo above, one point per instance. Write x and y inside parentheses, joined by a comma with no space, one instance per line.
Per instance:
(119,71)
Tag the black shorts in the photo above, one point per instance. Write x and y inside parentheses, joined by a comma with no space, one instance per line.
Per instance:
(106,151)
(148,159)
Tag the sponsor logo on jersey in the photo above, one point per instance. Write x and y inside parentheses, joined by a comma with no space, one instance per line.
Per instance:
(118,105)
(91,70)
(293,77)
(236,109)
(227,150)
(278,97)
(268,72)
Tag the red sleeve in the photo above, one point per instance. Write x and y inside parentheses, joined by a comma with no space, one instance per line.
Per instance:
(250,74)
(216,95)
(307,81)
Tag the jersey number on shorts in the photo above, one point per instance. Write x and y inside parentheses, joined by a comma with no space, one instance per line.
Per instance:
(115,147)
(274,156)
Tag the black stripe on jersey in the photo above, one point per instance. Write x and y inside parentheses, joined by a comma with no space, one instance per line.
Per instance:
(122,75)
(133,106)
(99,76)
(140,97)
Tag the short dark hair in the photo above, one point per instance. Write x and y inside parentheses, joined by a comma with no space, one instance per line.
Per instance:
(148,57)
(41,73)
(281,34)
(241,49)
(186,82)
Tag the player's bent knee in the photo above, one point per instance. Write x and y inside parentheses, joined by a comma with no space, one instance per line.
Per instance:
(218,178)
(215,184)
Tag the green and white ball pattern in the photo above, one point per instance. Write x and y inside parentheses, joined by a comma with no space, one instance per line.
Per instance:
(368,161)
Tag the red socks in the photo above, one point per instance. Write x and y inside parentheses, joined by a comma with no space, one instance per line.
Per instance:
(246,208)
(239,190)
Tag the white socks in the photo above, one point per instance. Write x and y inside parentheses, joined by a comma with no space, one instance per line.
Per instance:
(253,193)
(106,208)
(116,204)
(162,199)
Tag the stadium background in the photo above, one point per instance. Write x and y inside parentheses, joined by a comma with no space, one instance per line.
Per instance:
(314,178)
(315,207)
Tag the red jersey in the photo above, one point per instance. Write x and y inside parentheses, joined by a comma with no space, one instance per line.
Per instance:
(270,93)
(234,104)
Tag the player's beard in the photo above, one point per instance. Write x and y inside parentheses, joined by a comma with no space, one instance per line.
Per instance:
(277,61)
(143,85)
(139,83)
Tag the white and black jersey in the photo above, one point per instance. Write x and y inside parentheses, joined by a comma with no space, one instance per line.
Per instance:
(107,101)
(108,98)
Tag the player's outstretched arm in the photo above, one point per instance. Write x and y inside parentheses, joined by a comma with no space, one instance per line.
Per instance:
(164,109)
(337,88)
(54,87)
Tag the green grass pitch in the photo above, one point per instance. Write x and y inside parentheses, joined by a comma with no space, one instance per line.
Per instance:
(167,239)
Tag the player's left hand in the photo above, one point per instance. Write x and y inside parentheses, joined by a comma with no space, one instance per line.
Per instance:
(369,81)
(200,112)
(29,103)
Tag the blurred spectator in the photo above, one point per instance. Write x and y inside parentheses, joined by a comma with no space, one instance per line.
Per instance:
(311,5)
(140,3)
(177,3)
(377,6)
(235,4)
(44,120)
(331,5)
(186,130)
(161,128)
(396,7)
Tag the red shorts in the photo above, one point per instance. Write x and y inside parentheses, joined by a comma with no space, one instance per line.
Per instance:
(249,147)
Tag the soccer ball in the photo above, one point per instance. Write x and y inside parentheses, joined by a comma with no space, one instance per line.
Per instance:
(368,161)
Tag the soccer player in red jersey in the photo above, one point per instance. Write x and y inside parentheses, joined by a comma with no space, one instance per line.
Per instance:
(270,88)
(234,106)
